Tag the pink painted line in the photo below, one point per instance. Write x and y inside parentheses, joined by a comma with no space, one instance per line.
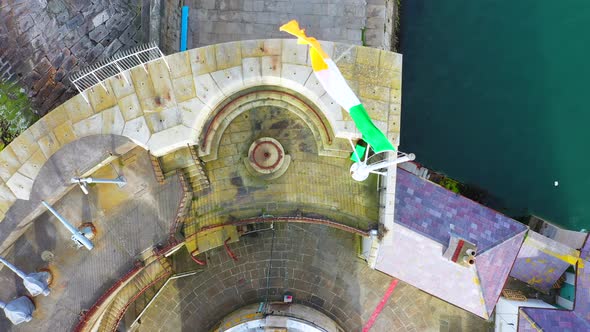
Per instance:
(380,306)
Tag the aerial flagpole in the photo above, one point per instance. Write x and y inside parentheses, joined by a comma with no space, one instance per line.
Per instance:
(331,79)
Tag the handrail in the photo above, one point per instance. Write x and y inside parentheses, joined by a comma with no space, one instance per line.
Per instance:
(157,168)
(173,277)
(184,204)
(265,219)
(134,297)
(84,319)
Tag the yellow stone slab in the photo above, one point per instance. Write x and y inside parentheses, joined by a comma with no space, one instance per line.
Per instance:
(165,119)
(38,129)
(271,66)
(216,237)
(396,82)
(112,121)
(101,99)
(24,146)
(258,48)
(64,133)
(192,112)
(20,185)
(368,74)
(203,60)
(130,107)
(390,61)
(376,92)
(180,64)
(9,164)
(254,48)
(142,83)
(394,123)
(7,198)
(184,88)
(56,117)
(89,126)
(163,89)
(49,144)
(78,109)
(395,96)
(32,167)
(228,55)
(121,84)
(368,56)
(377,110)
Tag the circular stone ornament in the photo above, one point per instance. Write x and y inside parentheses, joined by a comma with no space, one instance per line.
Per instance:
(267,158)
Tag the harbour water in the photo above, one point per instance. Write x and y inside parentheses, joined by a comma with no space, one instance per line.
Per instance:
(496,93)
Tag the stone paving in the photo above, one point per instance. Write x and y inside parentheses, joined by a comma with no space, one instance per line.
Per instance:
(312,185)
(163,109)
(218,21)
(128,221)
(318,265)
(43,42)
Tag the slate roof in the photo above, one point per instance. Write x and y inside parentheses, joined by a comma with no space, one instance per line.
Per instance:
(564,320)
(541,261)
(586,250)
(436,212)
(425,217)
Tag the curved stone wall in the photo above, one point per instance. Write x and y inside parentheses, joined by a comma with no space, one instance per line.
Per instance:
(318,265)
(164,109)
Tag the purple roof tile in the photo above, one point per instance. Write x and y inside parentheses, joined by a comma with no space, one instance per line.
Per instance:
(493,267)
(564,320)
(436,212)
(585,254)
(525,324)
(538,264)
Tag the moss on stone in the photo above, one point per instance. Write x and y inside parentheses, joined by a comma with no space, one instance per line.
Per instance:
(16,113)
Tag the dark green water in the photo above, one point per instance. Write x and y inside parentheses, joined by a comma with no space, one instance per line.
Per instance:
(497,93)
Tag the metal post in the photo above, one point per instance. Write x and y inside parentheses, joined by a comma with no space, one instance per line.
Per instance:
(78,237)
(83,182)
(18,310)
(360,170)
(35,283)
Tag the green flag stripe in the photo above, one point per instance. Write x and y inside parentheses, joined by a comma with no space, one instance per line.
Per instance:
(371,134)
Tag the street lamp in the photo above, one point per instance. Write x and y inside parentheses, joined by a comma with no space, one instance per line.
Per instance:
(79,237)
(35,283)
(83,182)
(18,310)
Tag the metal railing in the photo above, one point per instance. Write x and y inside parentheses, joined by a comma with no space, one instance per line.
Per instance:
(126,60)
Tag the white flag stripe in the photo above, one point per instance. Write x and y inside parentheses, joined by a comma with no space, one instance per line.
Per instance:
(335,85)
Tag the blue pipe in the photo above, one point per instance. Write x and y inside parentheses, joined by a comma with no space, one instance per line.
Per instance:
(184,28)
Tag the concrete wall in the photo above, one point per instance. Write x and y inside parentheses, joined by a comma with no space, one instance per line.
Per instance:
(218,21)
(42,42)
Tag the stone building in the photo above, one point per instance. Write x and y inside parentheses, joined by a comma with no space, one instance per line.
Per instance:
(198,238)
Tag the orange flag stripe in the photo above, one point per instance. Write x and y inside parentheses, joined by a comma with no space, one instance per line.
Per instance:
(316,52)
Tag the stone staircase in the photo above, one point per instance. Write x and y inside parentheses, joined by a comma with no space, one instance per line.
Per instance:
(135,295)
(191,165)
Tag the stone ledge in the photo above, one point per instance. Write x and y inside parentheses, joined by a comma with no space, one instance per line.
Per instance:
(138,103)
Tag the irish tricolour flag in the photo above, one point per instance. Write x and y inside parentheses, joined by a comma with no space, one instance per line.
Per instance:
(335,85)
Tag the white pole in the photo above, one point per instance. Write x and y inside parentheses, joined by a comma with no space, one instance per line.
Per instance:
(77,236)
